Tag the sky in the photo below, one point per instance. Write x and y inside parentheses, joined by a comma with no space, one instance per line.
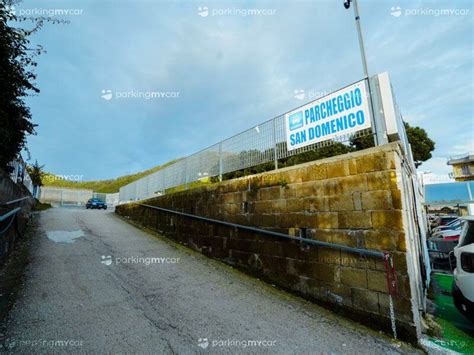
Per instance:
(219,72)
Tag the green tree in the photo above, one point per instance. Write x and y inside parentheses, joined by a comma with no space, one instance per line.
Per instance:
(335,148)
(363,142)
(421,144)
(36,173)
(17,78)
(16,82)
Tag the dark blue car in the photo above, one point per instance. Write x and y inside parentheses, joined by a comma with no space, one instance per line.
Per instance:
(96,203)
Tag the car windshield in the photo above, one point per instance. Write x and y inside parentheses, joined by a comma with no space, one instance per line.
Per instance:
(457,225)
(454,222)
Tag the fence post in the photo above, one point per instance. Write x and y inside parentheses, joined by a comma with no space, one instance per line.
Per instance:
(164,179)
(220,161)
(186,173)
(378,120)
(275,156)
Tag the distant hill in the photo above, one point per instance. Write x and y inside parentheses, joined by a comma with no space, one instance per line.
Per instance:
(104,186)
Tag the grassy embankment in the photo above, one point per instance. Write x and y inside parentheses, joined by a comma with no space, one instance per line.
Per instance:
(102,186)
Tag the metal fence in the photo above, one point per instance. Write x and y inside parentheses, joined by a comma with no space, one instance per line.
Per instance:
(264,143)
(109,199)
(63,196)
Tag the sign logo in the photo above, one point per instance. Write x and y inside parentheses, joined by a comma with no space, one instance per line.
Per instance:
(299,94)
(296,120)
(340,113)
(106,94)
(203,343)
(106,260)
(396,11)
(203,11)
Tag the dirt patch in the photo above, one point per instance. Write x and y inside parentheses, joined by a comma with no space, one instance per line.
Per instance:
(11,273)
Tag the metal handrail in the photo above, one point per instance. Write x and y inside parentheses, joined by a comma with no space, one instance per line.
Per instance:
(15,201)
(9,214)
(391,274)
(13,219)
(12,213)
(367,252)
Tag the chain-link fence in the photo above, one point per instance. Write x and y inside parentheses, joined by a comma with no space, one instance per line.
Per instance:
(264,143)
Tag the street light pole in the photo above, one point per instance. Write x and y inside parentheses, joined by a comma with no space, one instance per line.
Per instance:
(361,39)
(347,5)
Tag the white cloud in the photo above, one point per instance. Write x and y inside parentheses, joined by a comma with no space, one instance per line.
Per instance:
(234,73)
(462,148)
(436,165)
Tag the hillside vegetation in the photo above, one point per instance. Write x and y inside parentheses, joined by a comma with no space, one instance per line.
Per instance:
(103,186)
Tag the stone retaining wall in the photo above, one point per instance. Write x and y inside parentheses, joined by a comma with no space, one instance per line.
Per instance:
(353,200)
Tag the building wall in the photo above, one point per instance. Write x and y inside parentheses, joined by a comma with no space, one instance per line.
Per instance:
(460,174)
(354,200)
(9,191)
